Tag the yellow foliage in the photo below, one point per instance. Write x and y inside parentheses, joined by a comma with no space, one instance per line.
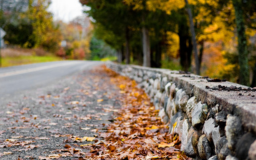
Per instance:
(173,42)
(152,5)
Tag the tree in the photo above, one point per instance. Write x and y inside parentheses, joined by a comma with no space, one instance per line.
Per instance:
(193,36)
(242,44)
(45,33)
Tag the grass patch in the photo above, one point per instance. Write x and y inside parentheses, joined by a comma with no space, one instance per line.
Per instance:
(172,65)
(110,58)
(21,60)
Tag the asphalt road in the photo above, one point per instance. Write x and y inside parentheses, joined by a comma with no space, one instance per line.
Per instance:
(16,80)
(47,110)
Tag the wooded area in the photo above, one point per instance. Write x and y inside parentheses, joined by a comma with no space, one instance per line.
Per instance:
(214,38)
(209,38)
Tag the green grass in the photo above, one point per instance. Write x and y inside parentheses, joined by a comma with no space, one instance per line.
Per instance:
(172,65)
(109,58)
(20,60)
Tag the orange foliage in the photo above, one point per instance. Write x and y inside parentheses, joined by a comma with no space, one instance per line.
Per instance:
(137,132)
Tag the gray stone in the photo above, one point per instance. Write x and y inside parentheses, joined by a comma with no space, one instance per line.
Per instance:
(152,93)
(157,84)
(233,130)
(151,81)
(162,98)
(172,91)
(229,157)
(177,128)
(169,107)
(215,109)
(171,110)
(163,116)
(216,135)
(243,145)
(220,143)
(199,114)
(192,141)
(173,120)
(184,135)
(166,98)
(213,158)
(165,119)
(224,152)
(208,128)
(252,151)
(167,88)
(204,148)
(157,99)
(181,100)
(221,117)
(177,99)
(163,83)
(190,106)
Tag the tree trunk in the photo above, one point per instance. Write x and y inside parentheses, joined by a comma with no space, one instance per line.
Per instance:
(186,46)
(201,52)
(127,49)
(244,74)
(146,47)
(158,55)
(254,76)
(193,36)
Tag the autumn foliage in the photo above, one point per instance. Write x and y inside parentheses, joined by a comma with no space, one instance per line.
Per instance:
(137,132)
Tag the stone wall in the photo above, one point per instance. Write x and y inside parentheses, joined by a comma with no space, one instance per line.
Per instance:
(214,119)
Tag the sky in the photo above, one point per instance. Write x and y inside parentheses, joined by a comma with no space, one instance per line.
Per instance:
(66,10)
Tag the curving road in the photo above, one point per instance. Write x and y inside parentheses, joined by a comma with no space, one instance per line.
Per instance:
(16,80)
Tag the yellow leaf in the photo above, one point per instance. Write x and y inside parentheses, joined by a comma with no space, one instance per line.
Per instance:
(152,127)
(174,125)
(122,87)
(136,94)
(99,100)
(53,105)
(89,139)
(84,145)
(164,145)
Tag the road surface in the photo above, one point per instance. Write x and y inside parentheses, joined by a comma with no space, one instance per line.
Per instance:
(46,107)
(16,80)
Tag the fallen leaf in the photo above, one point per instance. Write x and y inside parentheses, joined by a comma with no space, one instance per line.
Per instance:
(54,156)
(89,139)
(100,100)
(85,128)
(7,153)
(163,145)
(74,102)
(84,145)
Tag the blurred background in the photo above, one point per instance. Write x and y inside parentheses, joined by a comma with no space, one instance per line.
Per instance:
(210,38)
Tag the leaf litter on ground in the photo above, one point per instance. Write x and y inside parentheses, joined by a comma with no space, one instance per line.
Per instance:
(136,132)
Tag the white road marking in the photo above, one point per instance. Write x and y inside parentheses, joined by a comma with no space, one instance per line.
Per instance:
(34,69)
